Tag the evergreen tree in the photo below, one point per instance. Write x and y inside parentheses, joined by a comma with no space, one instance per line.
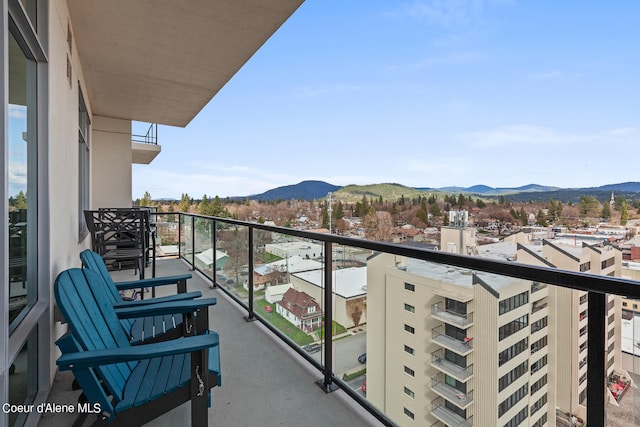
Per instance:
(541,218)
(606,212)
(146,200)
(524,218)
(20,201)
(624,213)
(480,204)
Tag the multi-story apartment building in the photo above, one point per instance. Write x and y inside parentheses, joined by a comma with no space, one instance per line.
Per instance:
(571,308)
(458,348)
(482,349)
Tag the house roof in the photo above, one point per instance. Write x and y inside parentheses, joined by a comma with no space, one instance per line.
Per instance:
(162,61)
(347,282)
(297,303)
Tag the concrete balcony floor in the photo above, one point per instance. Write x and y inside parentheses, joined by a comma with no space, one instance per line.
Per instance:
(264,382)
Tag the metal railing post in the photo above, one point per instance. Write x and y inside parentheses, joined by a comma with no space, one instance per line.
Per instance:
(596,359)
(326,383)
(179,235)
(250,314)
(214,246)
(193,243)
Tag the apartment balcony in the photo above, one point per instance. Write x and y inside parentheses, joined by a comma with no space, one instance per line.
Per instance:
(448,367)
(269,377)
(461,346)
(439,312)
(461,399)
(264,382)
(144,147)
(448,416)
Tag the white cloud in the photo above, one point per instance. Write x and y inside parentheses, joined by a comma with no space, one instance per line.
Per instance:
(17,111)
(544,76)
(454,58)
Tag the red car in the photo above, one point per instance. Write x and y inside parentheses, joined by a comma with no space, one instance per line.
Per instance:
(364,386)
(268,308)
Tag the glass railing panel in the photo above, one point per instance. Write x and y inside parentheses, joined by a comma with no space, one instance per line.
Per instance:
(166,228)
(623,378)
(232,259)
(528,340)
(288,285)
(350,316)
(186,237)
(204,257)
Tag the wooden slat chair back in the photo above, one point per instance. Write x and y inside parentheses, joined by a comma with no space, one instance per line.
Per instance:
(118,235)
(155,328)
(141,382)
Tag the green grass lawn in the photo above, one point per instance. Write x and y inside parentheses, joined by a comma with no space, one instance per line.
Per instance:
(337,329)
(295,334)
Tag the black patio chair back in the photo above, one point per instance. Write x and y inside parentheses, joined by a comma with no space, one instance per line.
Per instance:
(120,236)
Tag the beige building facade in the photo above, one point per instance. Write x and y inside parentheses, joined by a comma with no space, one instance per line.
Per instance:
(457,348)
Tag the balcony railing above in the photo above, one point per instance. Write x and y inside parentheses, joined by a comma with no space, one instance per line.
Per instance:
(460,346)
(447,416)
(439,312)
(461,399)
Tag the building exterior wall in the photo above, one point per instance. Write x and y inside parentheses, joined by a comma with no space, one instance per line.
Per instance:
(111,163)
(388,339)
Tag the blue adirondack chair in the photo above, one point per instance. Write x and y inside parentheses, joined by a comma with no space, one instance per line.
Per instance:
(149,329)
(131,385)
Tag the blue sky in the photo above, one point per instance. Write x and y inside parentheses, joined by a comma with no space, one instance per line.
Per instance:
(427,93)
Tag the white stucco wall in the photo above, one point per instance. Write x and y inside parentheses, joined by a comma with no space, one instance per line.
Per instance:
(110,163)
(64,245)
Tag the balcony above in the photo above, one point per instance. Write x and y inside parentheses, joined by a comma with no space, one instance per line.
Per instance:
(463,321)
(452,394)
(449,418)
(143,154)
(456,371)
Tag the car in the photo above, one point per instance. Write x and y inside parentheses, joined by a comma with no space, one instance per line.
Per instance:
(268,308)
(312,348)
(362,358)
(364,386)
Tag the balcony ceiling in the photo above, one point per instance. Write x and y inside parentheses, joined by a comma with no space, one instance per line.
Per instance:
(161,61)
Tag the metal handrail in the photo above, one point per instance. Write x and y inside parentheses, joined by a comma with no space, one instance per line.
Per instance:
(151,137)
(597,286)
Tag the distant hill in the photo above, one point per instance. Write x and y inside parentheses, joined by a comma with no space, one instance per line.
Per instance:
(311,190)
(491,191)
(305,190)
(353,193)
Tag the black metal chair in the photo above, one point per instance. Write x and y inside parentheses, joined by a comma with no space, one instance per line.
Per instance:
(120,237)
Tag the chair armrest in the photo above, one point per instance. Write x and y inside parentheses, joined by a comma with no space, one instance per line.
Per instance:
(93,358)
(152,282)
(165,308)
(158,300)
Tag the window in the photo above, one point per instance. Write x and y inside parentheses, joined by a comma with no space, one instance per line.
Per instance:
(538,345)
(539,384)
(512,303)
(518,419)
(513,351)
(408,413)
(409,371)
(607,263)
(539,404)
(542,421)
(84,125)
(512,375)
(539,324)
(456,306)
(585,266)
(409,392)
(409,308)
(539,364)
(510,401)
(409,350)
(409,287)
(513,327)
(409,329)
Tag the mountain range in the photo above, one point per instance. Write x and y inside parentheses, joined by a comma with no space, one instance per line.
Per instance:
(311,190)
